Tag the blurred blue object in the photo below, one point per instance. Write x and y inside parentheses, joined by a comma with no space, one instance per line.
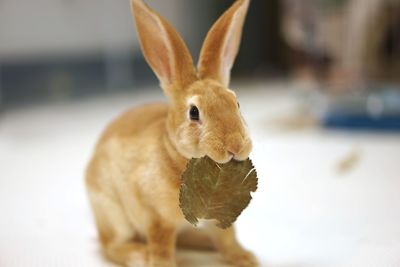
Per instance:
(365,110)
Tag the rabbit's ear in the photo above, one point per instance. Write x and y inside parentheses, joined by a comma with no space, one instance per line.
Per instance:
(163,48)
(222,44)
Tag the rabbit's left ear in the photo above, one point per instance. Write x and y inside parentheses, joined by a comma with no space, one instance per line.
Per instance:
(222,44)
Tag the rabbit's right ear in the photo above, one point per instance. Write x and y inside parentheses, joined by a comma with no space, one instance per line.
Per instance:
(222,44)
(163,48)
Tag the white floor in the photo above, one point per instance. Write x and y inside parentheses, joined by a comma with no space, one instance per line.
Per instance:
(306,213)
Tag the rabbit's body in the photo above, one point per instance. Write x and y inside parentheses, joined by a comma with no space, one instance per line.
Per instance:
(118,168)
(133,179)
(125,195)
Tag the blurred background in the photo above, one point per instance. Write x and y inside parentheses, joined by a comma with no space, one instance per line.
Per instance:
(319,85)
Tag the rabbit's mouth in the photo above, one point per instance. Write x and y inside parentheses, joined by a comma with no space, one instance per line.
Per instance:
(221,158)
(223,154)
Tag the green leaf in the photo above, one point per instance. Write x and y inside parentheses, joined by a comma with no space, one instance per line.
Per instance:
(216,191)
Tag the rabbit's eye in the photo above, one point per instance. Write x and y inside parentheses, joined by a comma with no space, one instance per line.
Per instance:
(194,113)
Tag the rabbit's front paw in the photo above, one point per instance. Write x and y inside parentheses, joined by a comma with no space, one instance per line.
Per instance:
(162,263)
(241,258)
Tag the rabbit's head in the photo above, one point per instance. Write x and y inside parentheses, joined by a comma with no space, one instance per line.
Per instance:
(204,116)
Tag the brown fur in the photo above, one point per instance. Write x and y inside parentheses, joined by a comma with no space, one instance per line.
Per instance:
(133,178)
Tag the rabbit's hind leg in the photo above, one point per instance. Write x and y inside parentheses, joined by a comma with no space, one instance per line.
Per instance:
(116,234)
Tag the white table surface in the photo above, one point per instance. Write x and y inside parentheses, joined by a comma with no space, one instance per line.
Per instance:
(304,214)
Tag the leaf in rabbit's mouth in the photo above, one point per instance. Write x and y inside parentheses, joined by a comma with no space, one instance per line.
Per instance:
(216,191)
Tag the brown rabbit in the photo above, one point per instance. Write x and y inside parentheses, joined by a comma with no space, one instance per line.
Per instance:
(133,178)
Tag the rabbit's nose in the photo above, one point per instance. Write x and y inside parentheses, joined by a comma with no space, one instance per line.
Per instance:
(234,149)
(234,144)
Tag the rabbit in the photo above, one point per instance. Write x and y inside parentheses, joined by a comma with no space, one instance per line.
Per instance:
(133,177)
